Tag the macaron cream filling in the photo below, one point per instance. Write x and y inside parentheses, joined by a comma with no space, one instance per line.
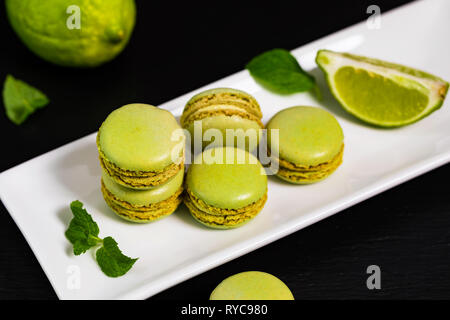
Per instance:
(221,109)
(226,96)
(143,197)
(224,109)
(218,217)
(143,205)
(141,179)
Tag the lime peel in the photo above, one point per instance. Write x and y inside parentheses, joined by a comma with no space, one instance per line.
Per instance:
(104,29)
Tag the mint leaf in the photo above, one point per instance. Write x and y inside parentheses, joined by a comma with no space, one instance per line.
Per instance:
(83,234)
(83,230)
(278,71)
(20,99)
(111,260)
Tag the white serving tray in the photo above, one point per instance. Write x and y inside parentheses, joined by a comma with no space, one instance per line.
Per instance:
(38,192)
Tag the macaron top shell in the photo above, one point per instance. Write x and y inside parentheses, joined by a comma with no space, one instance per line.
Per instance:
(308,136)
(138,137)
(229,92)
(144,197)
(227,178)
(220,96)
(252,285)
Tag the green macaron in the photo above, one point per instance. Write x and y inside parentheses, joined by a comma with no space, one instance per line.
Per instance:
(307,142)
(252,285)
(225,187)
(223,110)
(139,146)
(143,205)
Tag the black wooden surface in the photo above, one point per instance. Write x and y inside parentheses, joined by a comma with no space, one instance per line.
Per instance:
(405,231)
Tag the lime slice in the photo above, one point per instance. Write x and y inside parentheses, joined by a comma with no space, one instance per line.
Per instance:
(379,92)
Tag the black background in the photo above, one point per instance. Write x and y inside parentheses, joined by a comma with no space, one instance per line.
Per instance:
(178,48)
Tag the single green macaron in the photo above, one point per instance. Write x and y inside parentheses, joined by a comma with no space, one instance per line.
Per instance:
(225,187)
(223,109)
(143,205)
(307,142)
(252,285)
(140,146)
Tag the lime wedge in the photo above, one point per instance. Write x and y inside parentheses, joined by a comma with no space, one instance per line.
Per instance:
(379,92)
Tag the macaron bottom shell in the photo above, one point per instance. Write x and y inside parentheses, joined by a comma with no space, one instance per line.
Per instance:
(142,214)
(139,180)
(243,131)
(221,218)
(221,96)
(143,205)
(298,175)
(217,226)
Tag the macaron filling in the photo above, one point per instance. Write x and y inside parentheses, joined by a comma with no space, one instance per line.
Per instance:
(143,205)
(224,109)
(308,174)
(141,179)
(221,109)
(226,96)
(218,217)
(148,213)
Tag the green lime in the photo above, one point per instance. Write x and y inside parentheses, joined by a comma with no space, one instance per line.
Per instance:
(75,33)
(379,92)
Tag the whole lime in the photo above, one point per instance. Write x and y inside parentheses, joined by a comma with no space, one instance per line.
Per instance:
(75,33)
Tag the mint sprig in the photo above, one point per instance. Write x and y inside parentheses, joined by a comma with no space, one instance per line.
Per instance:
(83,234)
(278,71)
(20,99)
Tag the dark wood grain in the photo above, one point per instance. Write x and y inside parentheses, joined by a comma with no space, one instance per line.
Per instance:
(177,49)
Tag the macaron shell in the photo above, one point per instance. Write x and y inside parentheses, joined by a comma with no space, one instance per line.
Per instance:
(220,226)
(296,175)
(142,214)
(252,285)
(144,197)
(221,109)
(140,180)
(138,137)
(308,136)
(229,184)
(250,130)
(227,96)
(222,218)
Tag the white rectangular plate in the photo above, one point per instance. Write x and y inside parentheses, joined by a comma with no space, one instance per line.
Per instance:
(37,193)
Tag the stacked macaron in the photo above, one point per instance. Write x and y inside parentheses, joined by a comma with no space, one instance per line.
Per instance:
(142,163)
(308,141)
(222,109)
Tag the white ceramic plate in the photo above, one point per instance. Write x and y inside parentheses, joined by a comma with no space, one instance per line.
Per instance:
(177,248)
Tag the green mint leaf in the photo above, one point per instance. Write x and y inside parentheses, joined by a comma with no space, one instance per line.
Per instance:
(111,260)
(278,71)
(20,99)
(83,230)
